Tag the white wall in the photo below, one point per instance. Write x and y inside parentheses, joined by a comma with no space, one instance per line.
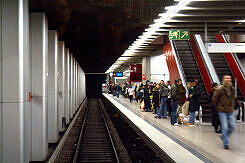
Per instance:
(158,68)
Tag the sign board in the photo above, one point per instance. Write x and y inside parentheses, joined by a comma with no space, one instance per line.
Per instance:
(179,34)
(143,77)
(226,47)
(117,74)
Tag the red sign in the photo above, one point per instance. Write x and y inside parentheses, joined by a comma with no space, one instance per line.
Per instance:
(143,77)
(30,97)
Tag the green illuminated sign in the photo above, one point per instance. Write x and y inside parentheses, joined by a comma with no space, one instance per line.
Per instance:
(179,34)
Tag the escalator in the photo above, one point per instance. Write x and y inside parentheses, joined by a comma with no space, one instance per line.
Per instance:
(190,69)
(221,66)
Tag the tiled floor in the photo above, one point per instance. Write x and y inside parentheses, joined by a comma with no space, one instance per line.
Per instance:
(201,138)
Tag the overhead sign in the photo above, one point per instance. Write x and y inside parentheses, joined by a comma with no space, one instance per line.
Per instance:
(117,74)
(179,34)
(226,47)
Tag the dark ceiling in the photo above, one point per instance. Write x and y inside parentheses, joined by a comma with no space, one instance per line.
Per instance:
(98,31)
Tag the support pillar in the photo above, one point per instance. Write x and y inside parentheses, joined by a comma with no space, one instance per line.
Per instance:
(14,53)
(146,69)
(67,85)
(71,86)
(53,131)
(74,85)
(61,85)
(39,55)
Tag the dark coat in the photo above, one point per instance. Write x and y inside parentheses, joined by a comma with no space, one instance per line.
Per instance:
(189,92)
(224,99)
(195,100)
(182,93)
(156,98)
(215,116)
(174,92)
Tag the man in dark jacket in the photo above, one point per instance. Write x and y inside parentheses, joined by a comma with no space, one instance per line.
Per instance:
(118,90)
(156,99)
(164,99)
(195,101)
(224,102)
(175,97)
(147,100)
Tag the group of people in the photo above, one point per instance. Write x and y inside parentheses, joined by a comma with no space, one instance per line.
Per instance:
(164,100)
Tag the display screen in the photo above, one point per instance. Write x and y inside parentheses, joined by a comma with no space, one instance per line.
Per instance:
(118,74)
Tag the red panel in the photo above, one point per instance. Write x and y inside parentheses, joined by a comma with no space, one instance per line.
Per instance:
(233,66)
(136,73)
(172,66)
(200,63)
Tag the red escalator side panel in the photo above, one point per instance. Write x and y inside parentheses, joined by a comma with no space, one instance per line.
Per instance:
(233,66)
(200,63)
(172,66)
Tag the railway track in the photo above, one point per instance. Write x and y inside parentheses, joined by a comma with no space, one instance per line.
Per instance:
(95,141)
(91,137)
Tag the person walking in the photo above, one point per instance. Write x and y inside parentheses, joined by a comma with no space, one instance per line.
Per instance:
(175,97)
(131,93)
(195,101)
(164,99)
(224,102)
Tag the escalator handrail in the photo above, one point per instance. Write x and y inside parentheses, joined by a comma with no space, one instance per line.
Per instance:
(179,65)
(207,60)
(238,63)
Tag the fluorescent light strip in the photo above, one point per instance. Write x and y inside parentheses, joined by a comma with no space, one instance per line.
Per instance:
(154,29)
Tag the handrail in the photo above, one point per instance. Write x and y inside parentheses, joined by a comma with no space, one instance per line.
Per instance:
(179,65)
(235,58)
(207,61)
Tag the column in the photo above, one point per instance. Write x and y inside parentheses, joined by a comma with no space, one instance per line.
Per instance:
(74,85)
(77,103)
(71,86)
(146,69)
(27,85)
(53,132)
(67,85)
(39,55)
(61,85)
(13,52)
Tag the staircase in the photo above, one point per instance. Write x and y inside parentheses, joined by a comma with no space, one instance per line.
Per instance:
(221,66)
(191,71)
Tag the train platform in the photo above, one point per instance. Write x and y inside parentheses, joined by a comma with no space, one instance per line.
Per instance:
(182,143)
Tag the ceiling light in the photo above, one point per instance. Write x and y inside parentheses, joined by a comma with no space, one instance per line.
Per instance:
(153,30)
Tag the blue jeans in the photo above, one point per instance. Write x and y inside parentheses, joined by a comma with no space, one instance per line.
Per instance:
(228,123)
(117,94)
(163,107)
(174,106)
(192,117)
(157,109)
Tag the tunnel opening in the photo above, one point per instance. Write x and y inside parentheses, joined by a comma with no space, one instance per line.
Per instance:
(94,85)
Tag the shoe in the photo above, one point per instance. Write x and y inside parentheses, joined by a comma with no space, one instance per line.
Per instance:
(176,124)
(226,147)
(157,117)
(189,124)
(218,131)
(164,117)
